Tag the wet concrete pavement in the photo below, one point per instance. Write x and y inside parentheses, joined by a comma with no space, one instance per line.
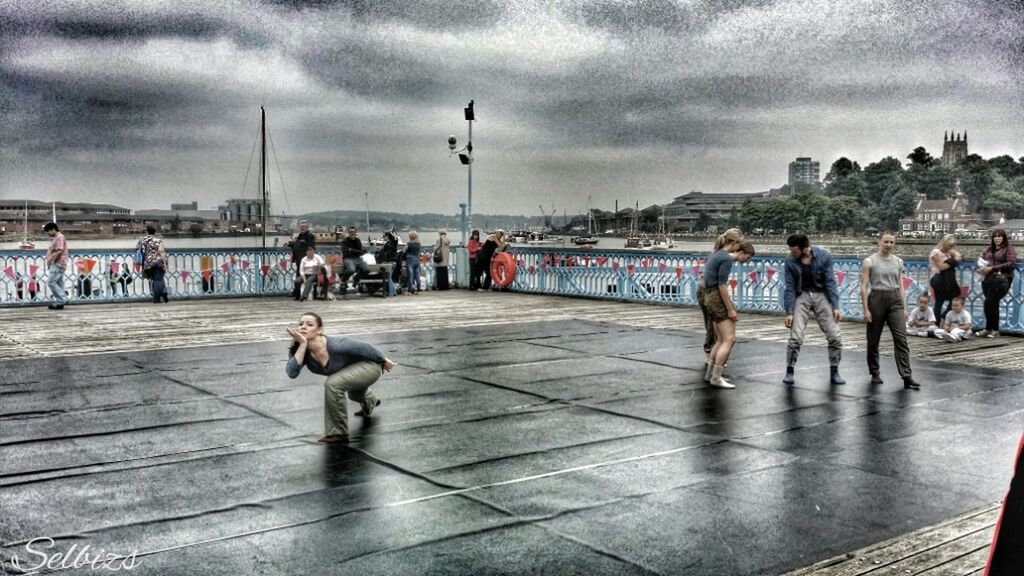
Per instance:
(543,448)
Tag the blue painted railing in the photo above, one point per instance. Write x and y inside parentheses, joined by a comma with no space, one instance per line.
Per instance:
(112,275)
(665,277)
(671,278)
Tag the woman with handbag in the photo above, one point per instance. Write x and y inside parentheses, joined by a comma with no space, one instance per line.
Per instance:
(442,252)
(943,261)
(1001,261)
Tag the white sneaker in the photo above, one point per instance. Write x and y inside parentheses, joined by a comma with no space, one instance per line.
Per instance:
(992,334)
(720,383)
(982,333)
(948,337)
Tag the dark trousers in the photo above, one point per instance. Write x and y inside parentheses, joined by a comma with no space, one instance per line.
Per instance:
(709,324)
(993,295)
(474,274)
(297,288)
(441,277)
(158,286)
(943,301)
(485,266)
(886,308)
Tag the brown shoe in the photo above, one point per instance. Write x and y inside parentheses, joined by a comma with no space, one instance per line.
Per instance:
(876,379)
(334,439)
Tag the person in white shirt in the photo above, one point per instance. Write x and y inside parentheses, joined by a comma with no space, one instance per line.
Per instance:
(308,269)
(956,326)
(921,320)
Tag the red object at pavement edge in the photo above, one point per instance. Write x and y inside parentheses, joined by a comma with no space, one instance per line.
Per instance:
(503,270)
(1006,556)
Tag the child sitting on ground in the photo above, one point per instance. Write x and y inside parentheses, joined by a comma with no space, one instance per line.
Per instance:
(956,326)
(921,320)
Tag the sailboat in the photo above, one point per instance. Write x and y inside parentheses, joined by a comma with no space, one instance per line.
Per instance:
(588,239)
(662,241)
(634,239)
(25,244)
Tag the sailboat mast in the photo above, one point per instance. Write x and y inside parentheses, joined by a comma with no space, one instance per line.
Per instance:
(367,196)
(263,171)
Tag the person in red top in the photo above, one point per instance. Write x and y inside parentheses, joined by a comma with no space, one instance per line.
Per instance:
(57,263)
(474,270)
(1000,261)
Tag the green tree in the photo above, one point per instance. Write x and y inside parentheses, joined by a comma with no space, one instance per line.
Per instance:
(841,168)
(900,204)
(1006,166)
(976,180)
(921,157)
(703,221)
(843,214)
(883,178)
(938,183)
(853,186)
(752,216)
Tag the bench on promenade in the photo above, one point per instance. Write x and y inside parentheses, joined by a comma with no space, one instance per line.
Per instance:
(378,280)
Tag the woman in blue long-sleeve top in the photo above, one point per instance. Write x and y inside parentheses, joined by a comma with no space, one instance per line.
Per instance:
(351,367)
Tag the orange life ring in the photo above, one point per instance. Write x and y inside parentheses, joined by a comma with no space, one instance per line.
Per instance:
(503,270)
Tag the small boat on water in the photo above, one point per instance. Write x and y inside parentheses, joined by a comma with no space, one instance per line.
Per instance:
(588,238)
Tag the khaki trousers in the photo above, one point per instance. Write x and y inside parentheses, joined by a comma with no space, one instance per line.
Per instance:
(355,380)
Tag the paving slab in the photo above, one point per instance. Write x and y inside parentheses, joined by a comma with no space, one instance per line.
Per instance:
(569,446)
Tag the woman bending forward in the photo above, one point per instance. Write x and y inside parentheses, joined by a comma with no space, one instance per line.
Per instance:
(351,367)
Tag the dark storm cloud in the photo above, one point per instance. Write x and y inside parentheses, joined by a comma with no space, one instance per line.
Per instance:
(363,92)
(429,14)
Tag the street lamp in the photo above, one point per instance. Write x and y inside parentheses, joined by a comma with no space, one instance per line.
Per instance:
(466,158)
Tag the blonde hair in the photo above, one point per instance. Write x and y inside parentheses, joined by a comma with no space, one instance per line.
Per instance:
(731,235)
(947,242)
(413,235)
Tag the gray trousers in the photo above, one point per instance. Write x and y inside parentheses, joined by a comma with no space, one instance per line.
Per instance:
(886,308)
(354,379)
(816,304)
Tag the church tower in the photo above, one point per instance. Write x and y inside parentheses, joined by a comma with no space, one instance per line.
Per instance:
(954,149)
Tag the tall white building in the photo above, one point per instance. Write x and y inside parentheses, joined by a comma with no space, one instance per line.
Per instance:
(804,171)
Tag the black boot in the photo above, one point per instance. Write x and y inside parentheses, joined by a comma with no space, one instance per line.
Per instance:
(789,378)
(836,378)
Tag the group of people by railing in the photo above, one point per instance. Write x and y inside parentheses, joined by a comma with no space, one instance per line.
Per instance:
(811,291)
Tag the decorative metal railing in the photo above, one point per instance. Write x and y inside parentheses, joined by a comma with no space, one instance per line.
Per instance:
(665,277)
(671,278)
(113,275)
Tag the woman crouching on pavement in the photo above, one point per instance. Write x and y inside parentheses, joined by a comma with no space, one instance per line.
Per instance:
(351,367)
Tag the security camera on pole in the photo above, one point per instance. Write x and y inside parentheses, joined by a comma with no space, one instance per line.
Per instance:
(466,157)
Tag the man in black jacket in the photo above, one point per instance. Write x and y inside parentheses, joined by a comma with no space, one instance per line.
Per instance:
(304,239)
(352,253)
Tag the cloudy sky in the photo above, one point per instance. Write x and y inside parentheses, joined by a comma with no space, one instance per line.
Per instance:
(144,103)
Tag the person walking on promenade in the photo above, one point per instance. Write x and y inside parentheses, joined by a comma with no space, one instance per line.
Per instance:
(57,265)
(473,247)
(351,368)
(495,243)
(943,262)
(883,298)
(727,241)
(443,249)
(721,309)
(811,289)
(352,257)
(154,263)
(304,239)
(412,262)
(1000,260)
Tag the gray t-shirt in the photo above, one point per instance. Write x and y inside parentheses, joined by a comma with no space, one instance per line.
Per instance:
(340,353)
(886,273)
(716,269)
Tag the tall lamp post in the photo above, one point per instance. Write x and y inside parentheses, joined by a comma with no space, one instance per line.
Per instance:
(466,157)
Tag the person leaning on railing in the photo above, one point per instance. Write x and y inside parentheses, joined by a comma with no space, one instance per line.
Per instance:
(1000,260)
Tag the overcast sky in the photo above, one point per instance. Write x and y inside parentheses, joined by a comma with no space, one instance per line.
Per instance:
(144,103)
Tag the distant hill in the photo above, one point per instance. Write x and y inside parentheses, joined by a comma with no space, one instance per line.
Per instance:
(428,221)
